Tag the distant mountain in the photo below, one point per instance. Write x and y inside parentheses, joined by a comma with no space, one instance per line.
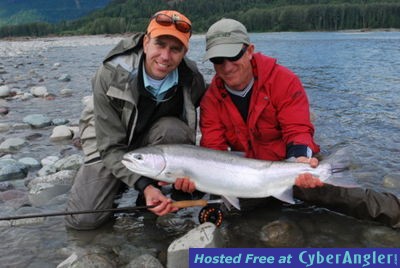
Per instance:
(68,17)
(13,12)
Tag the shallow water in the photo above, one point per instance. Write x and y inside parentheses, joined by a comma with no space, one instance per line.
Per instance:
(352,80)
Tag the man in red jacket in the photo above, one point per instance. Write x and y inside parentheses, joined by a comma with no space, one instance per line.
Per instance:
(253,105)
(258,107)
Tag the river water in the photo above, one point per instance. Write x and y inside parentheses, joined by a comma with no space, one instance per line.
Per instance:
(353,83)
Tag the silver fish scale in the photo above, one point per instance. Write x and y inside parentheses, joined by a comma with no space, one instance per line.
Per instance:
(224,173)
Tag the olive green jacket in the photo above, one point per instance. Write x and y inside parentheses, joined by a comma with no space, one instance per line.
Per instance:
(104,124)
(365,204)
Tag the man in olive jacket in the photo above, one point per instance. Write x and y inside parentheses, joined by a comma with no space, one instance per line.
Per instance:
(145,92)
(361,203)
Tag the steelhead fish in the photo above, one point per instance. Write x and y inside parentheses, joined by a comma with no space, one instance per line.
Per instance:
(220,172)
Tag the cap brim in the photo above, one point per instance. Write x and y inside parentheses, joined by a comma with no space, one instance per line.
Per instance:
(182,37)
(223,50)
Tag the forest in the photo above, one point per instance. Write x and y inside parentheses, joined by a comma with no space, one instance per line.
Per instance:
(122,16)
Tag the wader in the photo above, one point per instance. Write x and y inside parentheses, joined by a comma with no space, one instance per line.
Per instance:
(96,188)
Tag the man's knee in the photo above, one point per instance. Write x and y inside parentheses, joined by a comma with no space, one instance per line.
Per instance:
(94,188)
(88,221)
(170,130)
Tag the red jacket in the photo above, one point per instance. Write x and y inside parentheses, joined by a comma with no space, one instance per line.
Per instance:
(278,114)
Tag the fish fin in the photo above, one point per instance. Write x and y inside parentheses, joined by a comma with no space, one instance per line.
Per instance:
(286,196)
(231,200)
(340,162)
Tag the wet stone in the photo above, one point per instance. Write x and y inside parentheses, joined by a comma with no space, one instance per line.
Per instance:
(205,235)
(5,185)
(145,260)
(12,170)
(282,234)
(12,144)
(39,91)
(392,180)
(37,120)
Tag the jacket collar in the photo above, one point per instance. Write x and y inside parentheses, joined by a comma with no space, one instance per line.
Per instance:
(126,44)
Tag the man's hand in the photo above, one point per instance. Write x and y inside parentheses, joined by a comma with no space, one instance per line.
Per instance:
(312,161)
(307,180)
(183,184)
(163,204)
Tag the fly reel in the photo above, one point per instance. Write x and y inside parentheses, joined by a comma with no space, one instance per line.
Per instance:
(211,214)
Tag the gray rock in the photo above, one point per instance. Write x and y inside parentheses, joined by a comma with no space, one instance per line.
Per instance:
(60,121)
(128,252)
(61,133)
(4,110)
(37,120)
(175,223)
(66,92)
(11,194)
(72,162)
(6,185)
(4,127)
(281,233)
(39,91)
(43,189)
(380,236)
(5,91)
(49,160)
(64,78)
(15,198)
(145,261)
(64,177)
(84,259)
(12,170)
(21,126)
(40,194)
(12,144)
(46,170)
(2,71)
(29,162)
(26,96)
(392,180)
(205,235)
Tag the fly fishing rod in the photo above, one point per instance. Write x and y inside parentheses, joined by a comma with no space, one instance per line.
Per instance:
(178,204)
(64,213)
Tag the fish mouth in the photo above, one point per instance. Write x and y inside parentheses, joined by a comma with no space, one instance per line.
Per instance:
(126,162)
(133,163)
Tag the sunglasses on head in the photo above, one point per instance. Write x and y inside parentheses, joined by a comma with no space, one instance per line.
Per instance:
(166,20)
(220,60)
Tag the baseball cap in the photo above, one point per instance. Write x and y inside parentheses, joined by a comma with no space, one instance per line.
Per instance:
(168,22)
(225,38)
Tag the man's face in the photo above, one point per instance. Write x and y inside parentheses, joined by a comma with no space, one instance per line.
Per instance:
(236,74)
(163,55)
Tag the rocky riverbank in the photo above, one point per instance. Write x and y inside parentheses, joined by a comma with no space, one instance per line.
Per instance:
(43,85)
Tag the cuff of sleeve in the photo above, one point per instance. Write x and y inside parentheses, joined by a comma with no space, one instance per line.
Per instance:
(297,150)
(143,182)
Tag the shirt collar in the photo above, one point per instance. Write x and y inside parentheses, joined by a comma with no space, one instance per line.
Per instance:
(158,88)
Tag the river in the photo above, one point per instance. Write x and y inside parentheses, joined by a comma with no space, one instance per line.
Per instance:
(353,83)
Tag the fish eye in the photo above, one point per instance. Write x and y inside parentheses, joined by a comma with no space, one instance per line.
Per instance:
(138,156)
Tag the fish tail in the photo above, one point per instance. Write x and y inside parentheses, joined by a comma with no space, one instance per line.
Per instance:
(340,163)
(339,160)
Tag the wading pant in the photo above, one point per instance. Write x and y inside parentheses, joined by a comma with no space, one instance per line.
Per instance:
(96,188)
(364,204)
